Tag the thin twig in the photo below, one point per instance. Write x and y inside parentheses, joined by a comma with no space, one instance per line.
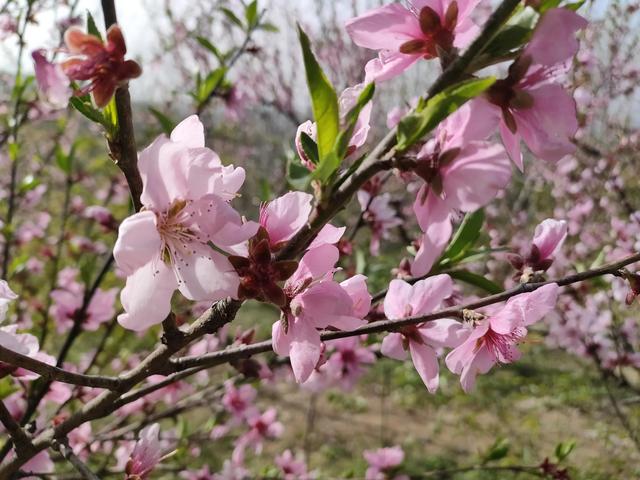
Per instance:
(63,448)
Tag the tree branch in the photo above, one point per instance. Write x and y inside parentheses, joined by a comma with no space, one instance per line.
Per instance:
(20,439)
(63,448)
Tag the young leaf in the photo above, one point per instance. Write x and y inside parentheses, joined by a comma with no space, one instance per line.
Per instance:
(563,449)
(110,118)
(87,109)
(63,160)
(477,281)
(205,43)
(165,122)
(210,83)
(92,29)
(325,106)
(466,235)
(232,17)
(497,451)
(415,126)
(298,176)
(251,14)
(310,148)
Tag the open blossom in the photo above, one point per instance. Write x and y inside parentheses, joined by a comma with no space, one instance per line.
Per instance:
(315,301)
(462,172)
(403,35)
(347,100)
(146,454)
(382,462)
(102,64)
(164,247)
(494,338)
(548,237)
(405,300)
(379,215)
(528,104)
(261,427)
(68,298)
(52,82)
(292,467)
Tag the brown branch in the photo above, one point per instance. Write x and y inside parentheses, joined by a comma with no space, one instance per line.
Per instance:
(20,439)
(51,372)
(245,351)
(67,453)
(123,146)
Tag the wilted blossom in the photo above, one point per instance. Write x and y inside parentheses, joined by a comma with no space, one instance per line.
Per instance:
(292,467)
(462,172)
(146,454)
(101,63)
(548,237)
(528,104)
(347,100)
(52,82)
(403,35)
(405,300)
(383,462)
(495,337)
(315,301)
(164,247)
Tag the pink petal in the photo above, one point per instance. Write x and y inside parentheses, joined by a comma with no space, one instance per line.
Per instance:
(554,38)
(285,215)
(189,132)
(384,28)
(481,363)
(163,166)
(398,299)
(304,350)
(511,142)
(549,236)
(392,346)
(316,263)
(138,241)
(356,288)
(205,274)
(328,235)
(429,293)
(444,332)
(426,363)
(476,176)
(388,65)
(146,297)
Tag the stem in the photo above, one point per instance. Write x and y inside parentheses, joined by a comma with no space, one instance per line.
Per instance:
(67,453)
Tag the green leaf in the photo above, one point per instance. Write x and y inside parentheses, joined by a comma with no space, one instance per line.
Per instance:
(497,451)
(310,148)
(110,118)
(325,109)
(232,17)
(563,449)
(165,122)
(251,14)
(7,387)
(211,47)
(91,26)
(466,235)
(63,160)
(268,27)
(476,280)
(574,5)
(86,108)
(210,83)
(298,176)
(28,183)
(416,125)
(14,151)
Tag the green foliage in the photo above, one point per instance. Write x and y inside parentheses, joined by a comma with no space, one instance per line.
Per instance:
(205,43)
(476,280)
(563,449)
(108,117)
(232,17)
(325,110)
(310,148)
(205,87)
(251,14)
(298,176)
(497,451)
(429,114)
(92,29)
(165,122)
(465,237)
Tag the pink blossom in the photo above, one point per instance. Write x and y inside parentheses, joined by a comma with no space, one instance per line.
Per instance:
(383,460)
(239,401)
(41,463)
(549,236)
(316,301)
(494,338)
(403,35)
(261,427)
(52,82)
(203,474)
(347,360)
(292,467)
(530,107)
(284,216)
(462,172)
(232,470)
(146,454)
(405,300)
(347,100)
(165,247)
(380,216)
